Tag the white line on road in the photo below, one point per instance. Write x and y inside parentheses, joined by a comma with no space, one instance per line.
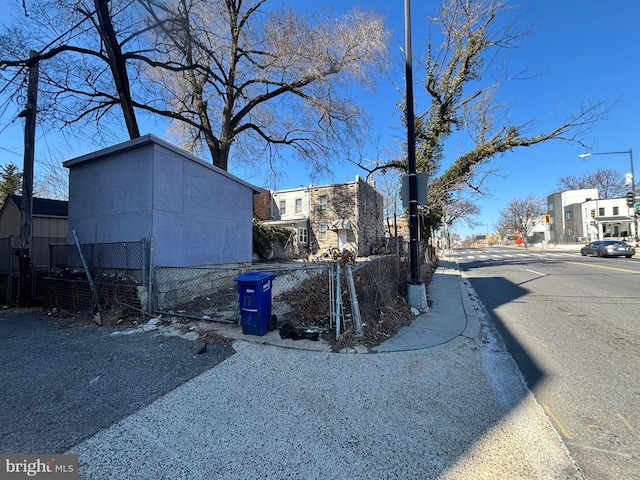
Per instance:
(537,273)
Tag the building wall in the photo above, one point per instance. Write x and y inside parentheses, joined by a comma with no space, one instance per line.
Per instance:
(357,203)
(200,216)
(262,206)
(353,210)
(196,213)
(111,194)
(370,219)
(340,206)
(10,221)
(41,226)
(290,198)
(612,219)
(556,204)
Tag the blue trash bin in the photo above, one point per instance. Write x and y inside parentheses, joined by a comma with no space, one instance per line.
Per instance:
(254,301)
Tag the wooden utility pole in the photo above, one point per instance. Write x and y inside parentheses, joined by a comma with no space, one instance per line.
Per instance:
(26,206)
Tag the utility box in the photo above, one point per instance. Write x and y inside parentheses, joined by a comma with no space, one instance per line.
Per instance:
(254,300)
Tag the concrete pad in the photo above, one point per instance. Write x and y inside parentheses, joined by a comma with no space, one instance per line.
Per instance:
(278,413)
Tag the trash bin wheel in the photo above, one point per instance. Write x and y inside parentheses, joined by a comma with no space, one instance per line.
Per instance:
(273,322)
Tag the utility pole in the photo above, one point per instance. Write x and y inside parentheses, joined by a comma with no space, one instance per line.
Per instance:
(416,291)
(26,205)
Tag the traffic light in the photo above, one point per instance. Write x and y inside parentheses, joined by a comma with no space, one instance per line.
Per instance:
(547,218)
(630,199)
(593,213)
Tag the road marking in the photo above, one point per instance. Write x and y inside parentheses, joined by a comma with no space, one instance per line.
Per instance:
(628,425)
(563,431)
(540,341)
(537,273)
(603,450)
(606,268)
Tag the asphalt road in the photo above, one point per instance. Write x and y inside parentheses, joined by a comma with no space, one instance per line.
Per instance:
(572,324)
(62,383)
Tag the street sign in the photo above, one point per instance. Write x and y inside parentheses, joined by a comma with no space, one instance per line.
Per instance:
(421,185)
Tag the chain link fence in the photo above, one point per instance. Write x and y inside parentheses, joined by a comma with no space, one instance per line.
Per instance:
(99,275)
(336,295)
(9,271)
(310,295)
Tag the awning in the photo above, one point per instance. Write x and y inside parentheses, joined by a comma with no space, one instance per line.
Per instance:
(616,219)
(340,225)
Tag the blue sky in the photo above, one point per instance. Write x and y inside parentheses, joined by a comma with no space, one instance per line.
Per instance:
(579,51)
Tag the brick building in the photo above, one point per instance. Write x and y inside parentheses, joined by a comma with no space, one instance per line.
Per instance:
(343,215)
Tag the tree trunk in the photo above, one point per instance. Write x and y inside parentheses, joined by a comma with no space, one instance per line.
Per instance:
(118,66)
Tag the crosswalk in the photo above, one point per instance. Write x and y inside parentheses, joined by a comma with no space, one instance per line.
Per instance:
(475,254)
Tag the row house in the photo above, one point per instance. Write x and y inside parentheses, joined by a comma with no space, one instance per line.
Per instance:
(343,215)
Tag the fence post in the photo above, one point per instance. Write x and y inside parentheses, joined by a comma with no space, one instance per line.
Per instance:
(332,298)
(355,307)
(86,270)
(10,272)
(151,278)
(144,263)
(338,301)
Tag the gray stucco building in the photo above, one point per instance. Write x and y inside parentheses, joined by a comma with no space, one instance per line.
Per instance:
(196,213)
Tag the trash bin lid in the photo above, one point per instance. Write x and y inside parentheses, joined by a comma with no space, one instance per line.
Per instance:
(255,277)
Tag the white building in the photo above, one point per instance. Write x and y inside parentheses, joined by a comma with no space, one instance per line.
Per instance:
(610,218)
(581,216)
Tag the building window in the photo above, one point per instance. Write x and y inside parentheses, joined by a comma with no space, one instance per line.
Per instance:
(322,231)
(303,235)
(616,210)
(568,215)
(601,211)
(298,205)
(283,207)
(550,206)
(322,203)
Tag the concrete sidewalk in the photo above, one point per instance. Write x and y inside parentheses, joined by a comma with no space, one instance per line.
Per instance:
(441,400)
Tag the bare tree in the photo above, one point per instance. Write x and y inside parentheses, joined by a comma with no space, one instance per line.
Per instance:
(51,179)
(87,51)
(227,73)
(461,209)
(389,183)
(520,216)
(264,80)
(610,183)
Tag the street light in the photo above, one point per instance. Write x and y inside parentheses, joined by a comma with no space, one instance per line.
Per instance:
(633,184)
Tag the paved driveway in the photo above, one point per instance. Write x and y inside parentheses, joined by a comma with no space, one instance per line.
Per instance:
(62,384)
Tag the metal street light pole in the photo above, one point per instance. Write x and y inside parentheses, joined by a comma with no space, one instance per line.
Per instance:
(633,184)
(416,290)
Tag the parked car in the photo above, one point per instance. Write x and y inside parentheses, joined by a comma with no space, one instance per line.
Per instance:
(608,248)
